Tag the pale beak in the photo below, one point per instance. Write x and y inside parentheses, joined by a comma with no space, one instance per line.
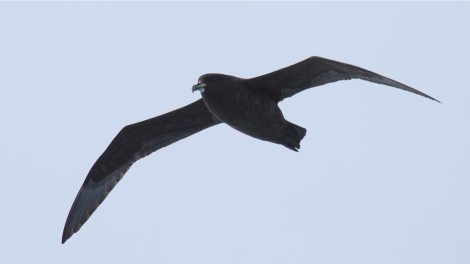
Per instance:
(199,87)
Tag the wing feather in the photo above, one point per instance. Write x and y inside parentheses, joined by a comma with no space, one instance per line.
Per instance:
(132,143)
(316,71)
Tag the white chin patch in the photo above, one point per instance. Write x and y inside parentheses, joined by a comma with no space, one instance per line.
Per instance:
(201,90)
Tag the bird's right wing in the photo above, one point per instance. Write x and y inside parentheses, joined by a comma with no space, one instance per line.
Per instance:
(316,71)
(132,143)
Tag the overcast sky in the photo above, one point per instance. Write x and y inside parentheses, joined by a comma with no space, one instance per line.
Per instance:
(382,175)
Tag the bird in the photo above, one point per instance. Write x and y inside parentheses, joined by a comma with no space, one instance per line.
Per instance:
(247,105)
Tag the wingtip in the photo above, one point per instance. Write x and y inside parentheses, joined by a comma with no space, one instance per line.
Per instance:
(65,237)
(434,99)
(419,93)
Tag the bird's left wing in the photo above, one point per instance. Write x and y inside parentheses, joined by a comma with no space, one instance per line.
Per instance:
(132,143)
(316,71)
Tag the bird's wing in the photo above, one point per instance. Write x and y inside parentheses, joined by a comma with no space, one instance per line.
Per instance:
(316,71)
(132,143)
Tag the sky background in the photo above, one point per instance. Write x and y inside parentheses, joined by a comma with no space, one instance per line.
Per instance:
(382,175)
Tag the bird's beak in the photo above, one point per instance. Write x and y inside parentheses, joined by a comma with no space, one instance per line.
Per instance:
(199,87)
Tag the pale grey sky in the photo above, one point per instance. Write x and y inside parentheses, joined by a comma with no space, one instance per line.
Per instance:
(382,175)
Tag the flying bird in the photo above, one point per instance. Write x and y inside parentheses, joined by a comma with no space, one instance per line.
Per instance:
(247,105)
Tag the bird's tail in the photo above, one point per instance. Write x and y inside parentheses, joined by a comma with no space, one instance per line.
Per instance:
(294,134)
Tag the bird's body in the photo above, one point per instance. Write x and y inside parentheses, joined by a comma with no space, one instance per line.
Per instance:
(246,109)
(247,105)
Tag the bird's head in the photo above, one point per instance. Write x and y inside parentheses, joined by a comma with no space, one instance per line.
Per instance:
(212,82)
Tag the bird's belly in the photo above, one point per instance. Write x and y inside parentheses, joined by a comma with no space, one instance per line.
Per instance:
(261,119)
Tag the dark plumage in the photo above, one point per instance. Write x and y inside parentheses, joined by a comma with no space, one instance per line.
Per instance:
(248,105)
